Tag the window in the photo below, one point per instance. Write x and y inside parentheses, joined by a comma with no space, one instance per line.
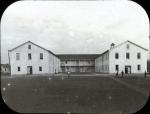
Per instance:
(116,55)
(29,46)
(138,67)
(41,55)
(66,62)
(117,67)
(127,55)
(17,56)
(128,46)
(29,56)
(40,68)
(138,55)
(18,68)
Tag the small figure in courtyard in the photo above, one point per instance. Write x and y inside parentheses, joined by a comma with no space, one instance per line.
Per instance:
(122,73)
(145,74)
(117,74)
(68,74)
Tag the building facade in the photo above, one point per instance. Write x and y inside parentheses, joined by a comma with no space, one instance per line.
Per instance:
(127,57)
(30,58)
(77,62)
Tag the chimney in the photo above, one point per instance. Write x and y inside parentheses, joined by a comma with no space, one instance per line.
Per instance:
(112,45)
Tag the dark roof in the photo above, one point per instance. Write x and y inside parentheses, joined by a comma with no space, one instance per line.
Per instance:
(103,53)
(33,44)
(77,56)
(5,65)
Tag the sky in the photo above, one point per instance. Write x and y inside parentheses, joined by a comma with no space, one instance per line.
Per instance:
(73,27)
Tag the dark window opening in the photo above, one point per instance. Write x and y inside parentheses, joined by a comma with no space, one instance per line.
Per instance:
(127,56)
(139,67)
(18,68)
(41,55)
(117,67)
(116,55)
(138,55)
(29,56)
(40,68)
(29,46)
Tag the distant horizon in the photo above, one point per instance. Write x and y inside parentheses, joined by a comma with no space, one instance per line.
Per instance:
(86,27)
(75,53)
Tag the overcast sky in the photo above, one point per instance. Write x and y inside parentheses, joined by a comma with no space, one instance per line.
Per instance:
(79,27)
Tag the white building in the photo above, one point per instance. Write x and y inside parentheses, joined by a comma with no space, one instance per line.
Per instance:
(128,57)
(30,58)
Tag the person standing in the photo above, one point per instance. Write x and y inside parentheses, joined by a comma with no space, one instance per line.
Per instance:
(117,73)
(122,73)
(145,74)
(68,74)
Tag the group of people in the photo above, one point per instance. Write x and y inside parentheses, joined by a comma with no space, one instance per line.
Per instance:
(122,73)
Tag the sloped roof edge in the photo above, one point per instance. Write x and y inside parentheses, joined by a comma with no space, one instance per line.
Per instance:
(131,43)
(33,44)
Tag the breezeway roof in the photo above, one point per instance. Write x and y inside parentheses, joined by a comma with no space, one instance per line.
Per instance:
(77,56)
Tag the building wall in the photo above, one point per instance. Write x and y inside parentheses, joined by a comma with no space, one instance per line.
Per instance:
(46,63)
(122,61)
(102,63)
(56,64)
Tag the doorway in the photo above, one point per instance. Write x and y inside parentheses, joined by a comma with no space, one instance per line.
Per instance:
(29,70)
(63,69)
(127,69)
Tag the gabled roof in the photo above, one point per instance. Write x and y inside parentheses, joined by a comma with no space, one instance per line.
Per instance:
(131,43)
(33,44)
